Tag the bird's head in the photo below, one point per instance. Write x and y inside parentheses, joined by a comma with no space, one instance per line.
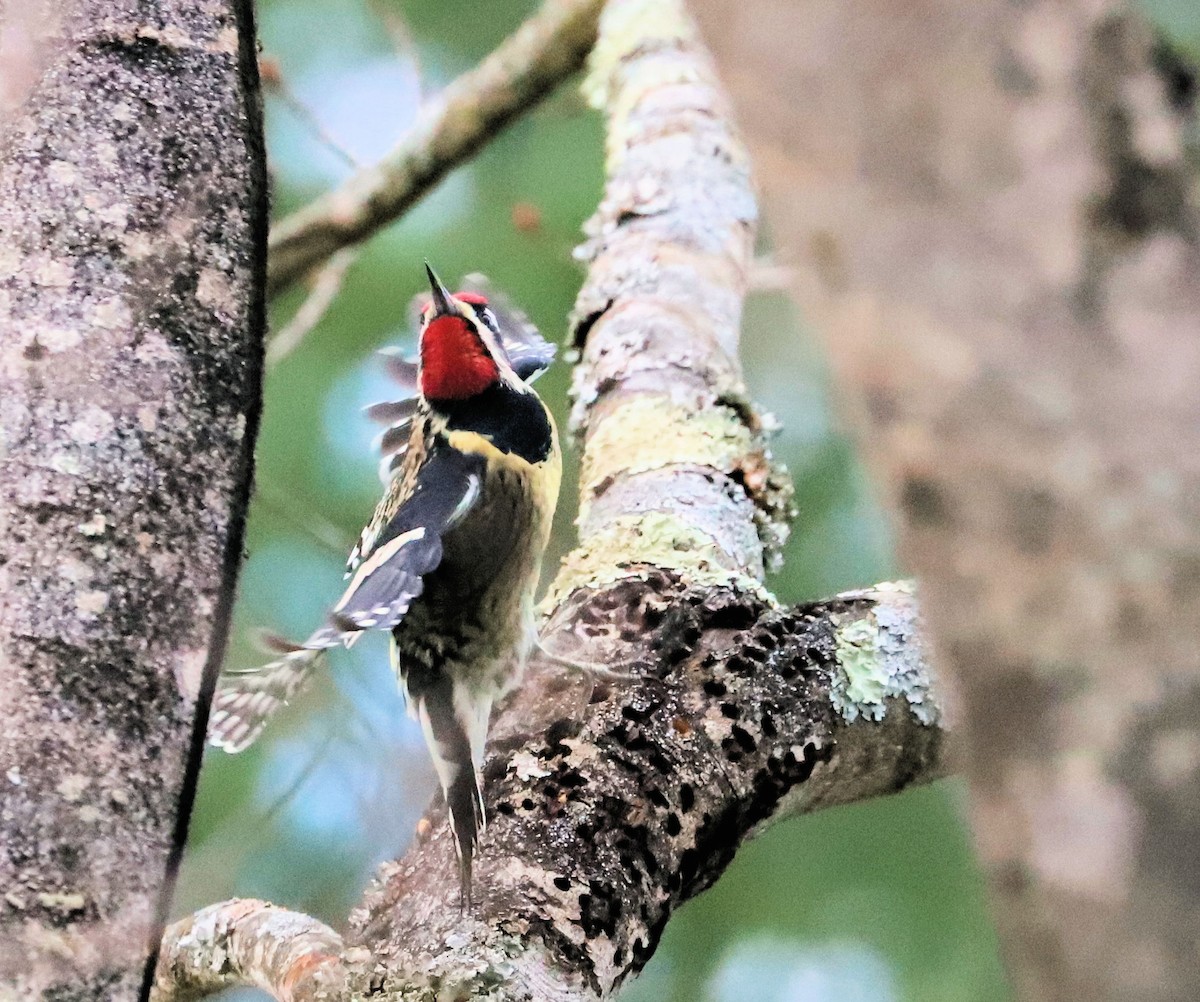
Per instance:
(461,355)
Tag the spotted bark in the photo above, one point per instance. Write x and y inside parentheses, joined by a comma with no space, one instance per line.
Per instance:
(132,202)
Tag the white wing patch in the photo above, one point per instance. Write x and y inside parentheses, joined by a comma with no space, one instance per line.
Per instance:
(365,619)
(468,499)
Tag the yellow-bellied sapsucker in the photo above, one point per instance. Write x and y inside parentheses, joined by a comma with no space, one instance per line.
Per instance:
(450,559)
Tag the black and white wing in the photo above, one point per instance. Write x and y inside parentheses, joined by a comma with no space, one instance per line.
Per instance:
(402,544)
(245,700)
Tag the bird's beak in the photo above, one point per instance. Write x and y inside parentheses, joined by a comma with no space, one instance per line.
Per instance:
(443,302)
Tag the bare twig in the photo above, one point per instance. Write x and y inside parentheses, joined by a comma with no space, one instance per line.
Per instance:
(527,66)
(395,26)
(273,81)
(319,529)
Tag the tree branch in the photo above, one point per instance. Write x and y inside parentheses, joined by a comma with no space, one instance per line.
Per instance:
(250,943)
(546,49)
(612,806)
(133,207)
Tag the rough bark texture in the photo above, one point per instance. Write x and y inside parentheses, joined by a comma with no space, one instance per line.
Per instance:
(132,204)
(994,222)
(612,806)
(547,49)
(249,942)
(613,802)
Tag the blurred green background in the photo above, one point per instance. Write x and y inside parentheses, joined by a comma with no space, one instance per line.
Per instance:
(877,902)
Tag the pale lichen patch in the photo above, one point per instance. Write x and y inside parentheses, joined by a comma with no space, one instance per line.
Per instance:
(65,462)
(138,245)
(633,546)
(864,683)
(90,604)
(65,903)
(63,172)
(189,672)
(215,291)
(10,261)
(880,657)
(94,526)
(527,766)
(650,433)
(112,314)
(105,153)
(75,571)
(57,339)
(91,426)
(71,788)
(147,417)
(226,42)
(155,348)
(53,273)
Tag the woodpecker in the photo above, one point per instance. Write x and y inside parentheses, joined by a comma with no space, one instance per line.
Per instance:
(450,559)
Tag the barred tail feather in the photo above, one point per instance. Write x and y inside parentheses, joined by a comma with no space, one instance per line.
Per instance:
(246,700)
(451,723)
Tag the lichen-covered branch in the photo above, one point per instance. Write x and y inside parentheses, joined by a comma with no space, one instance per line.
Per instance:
(612,805)
(545,50)
(133,208)
(250,943)
(613,802)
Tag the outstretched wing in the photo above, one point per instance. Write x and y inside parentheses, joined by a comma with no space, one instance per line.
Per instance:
(402,544)
(247,699)
(398,416)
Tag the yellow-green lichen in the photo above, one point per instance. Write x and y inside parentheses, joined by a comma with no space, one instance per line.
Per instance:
(634,545)
(880,656)
(651,433)
(628,29)
(858,656)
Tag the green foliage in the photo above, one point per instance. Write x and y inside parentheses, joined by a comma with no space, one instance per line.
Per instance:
(337,784)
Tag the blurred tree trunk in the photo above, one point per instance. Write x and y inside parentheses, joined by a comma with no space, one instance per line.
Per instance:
(132,203)
(993,220)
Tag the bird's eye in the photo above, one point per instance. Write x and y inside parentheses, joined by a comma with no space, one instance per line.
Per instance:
(487,316)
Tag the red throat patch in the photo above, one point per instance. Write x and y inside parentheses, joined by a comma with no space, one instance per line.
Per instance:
(454,363)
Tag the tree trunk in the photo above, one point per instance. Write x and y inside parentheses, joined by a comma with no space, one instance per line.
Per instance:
(133,208)
(994,221)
